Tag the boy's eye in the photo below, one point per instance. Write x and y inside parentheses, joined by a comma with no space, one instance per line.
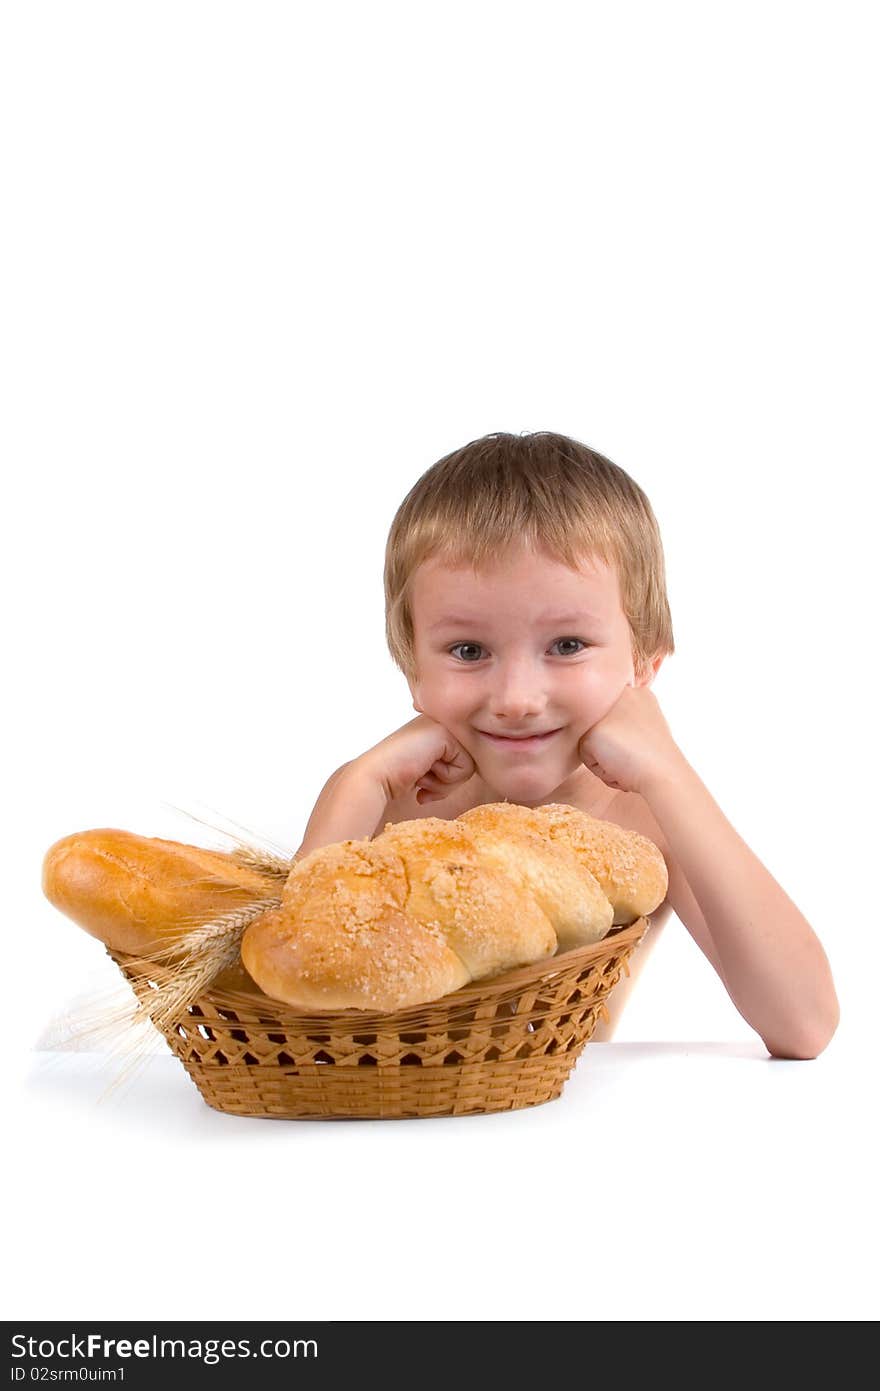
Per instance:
(475,646)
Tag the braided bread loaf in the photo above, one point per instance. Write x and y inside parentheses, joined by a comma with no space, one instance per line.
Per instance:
(430,905)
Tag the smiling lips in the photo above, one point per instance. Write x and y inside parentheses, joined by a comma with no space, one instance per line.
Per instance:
(533,741)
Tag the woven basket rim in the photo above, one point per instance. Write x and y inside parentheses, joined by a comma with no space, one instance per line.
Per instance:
(508,982)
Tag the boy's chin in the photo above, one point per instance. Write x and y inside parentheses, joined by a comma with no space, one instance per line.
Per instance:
(522,784)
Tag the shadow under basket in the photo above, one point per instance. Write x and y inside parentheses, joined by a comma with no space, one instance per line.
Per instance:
(498,1045)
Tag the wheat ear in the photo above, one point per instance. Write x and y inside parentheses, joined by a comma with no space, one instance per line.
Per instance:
(191,962)
(255,851)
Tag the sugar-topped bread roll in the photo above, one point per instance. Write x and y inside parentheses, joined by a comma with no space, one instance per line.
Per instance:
(383,924)
(430,905)
(629,868)
(515,839)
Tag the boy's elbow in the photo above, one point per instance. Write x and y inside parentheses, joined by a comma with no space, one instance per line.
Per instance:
(814,1039)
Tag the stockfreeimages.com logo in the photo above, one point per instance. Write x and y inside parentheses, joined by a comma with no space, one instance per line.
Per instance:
(95,1347)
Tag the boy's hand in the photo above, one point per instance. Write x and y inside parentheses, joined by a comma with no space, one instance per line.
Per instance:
(631,744)
(422,755)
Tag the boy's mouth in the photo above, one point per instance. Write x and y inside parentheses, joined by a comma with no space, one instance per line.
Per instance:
(534,741)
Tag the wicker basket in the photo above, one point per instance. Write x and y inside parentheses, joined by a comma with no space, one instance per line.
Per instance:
(498,1045)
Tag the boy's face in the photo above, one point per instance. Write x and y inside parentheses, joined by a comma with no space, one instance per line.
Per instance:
(525,647)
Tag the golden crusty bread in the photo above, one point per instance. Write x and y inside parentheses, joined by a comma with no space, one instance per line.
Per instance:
(515,839)
(430,905)
(341,936)
(629,868)
(426,907)
(139,893)
(384,924)
(454,886)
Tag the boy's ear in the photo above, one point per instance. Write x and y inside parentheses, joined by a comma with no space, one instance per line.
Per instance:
(647,677)
(656,664)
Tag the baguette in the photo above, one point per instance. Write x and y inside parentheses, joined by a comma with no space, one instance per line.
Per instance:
(138,894)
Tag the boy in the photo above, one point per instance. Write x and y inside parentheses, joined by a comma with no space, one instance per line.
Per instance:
(543,560)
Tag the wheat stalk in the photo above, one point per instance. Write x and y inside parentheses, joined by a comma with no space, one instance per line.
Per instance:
(191,962)
(136,1028)
(254,857)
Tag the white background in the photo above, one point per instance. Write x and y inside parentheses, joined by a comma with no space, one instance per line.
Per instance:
(262,266)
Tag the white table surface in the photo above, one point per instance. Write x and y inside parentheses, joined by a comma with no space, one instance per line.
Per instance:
(669,1181)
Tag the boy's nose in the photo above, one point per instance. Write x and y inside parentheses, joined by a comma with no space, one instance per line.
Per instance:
(518,700)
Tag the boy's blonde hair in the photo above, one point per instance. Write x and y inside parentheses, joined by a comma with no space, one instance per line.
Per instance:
(543,490)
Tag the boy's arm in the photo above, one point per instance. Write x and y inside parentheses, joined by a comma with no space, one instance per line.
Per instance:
(350,807)
(419,760)
(771,961)
(765,951)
